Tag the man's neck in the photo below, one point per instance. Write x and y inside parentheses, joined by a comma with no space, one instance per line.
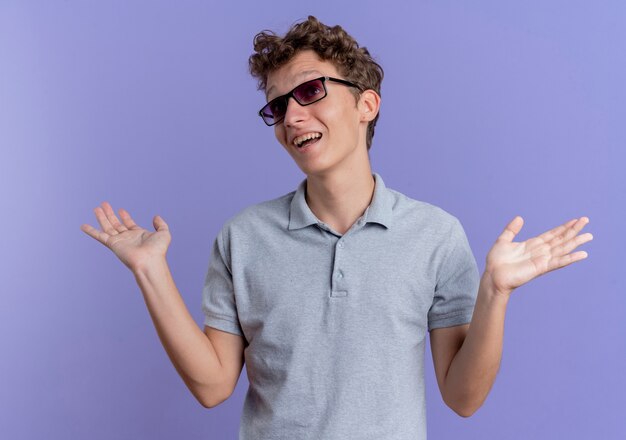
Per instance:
(339,199)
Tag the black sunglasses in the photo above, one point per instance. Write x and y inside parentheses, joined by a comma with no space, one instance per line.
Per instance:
(305,94)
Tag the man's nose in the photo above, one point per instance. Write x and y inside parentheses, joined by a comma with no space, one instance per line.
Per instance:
(295,112)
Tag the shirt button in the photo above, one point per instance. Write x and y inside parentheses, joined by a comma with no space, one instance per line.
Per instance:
(341,244)
(339,275)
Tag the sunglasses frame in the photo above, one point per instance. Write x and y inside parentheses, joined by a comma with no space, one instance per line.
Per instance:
(286,96)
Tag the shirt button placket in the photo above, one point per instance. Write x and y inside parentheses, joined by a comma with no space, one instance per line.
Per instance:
(338,256)
(339,288)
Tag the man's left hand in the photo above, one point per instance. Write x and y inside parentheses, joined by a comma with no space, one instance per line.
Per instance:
(511,264)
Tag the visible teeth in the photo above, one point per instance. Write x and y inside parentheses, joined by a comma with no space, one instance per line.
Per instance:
(305,137)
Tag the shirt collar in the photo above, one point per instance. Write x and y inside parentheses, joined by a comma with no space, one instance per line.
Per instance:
(379,210)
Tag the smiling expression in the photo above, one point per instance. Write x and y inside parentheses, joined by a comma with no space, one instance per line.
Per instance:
(326,134)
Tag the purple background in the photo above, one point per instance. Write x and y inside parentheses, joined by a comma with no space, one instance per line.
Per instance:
(489,110)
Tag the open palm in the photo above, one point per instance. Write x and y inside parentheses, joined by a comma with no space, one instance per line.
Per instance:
(511,264)
(133,245)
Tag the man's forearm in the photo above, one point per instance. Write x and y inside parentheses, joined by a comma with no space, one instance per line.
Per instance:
(189,349)
(473,370)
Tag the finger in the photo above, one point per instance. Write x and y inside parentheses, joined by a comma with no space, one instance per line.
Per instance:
(566,260)
(512,229)
(549,235)
(104,221)
(572,231)
(571,244)
(159,224)
(577,227)
(113,220)
(127,219)
(102,237)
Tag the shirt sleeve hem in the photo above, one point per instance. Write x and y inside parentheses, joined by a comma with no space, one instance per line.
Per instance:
(223,323)
(460,318)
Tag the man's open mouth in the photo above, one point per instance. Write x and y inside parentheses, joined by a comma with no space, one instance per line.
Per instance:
(307,139)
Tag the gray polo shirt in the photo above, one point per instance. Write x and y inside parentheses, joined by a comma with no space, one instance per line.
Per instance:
(334,324)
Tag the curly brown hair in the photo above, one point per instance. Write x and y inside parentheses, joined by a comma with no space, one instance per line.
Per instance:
(330,43)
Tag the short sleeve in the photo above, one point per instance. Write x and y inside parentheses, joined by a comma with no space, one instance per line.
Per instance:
(457,282)
(218,294)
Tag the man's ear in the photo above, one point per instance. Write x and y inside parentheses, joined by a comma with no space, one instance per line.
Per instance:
(369,104)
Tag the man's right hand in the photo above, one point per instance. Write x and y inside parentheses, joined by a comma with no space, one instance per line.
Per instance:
(133,245)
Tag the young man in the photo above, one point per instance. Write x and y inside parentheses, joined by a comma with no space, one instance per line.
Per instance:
(327,292)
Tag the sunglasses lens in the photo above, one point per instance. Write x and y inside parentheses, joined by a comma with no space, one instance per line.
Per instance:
(309,92)
(274,111)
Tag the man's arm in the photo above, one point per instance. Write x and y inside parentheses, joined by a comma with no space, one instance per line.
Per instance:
(210,363)
(467,357)
(230,351)
(195,355)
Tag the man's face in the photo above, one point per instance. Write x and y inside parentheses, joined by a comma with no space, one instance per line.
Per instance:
(337,118)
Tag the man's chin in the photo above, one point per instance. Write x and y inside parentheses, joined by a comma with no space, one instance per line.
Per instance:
(315,168)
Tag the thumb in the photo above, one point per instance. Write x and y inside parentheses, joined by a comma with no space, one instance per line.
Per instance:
(159,224)
(512,229)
